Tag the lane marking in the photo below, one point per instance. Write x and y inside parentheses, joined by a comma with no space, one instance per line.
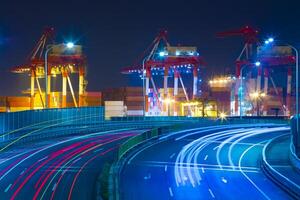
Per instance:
(211,193)
(23,171)
(171,156)
(203,170)
(42,159)
(76,161)
(7,187)
(224,180)
(166,166)
(54,186)
(206,157)
(247,177)
(170,191)
(215,148)
(98,150)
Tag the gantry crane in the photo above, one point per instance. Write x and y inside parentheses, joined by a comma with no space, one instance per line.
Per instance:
(162,58)
(58,63)
(253,51)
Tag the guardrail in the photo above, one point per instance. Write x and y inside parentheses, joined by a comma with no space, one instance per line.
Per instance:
(10,121)
(290,187)
(227,120)
(296,137)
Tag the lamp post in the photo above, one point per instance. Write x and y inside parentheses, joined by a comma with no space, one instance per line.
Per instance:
(271,40)
(69,45)
(46,76)
(257,64)
(297,85)
(143,83)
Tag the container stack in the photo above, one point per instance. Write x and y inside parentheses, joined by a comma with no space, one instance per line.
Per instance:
(114,109)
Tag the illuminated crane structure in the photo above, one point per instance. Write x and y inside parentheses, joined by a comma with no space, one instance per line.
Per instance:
(160,58)
(60,60)
(264,58)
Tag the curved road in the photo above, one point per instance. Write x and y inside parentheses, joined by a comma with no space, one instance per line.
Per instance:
(205,163)
(63,168)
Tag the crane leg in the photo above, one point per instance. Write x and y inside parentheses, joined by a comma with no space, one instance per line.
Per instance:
(195,80)
(81,87)
(176,76)
(266,82)
(64,89)
(32,88)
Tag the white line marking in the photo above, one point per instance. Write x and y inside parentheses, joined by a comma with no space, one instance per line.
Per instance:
(170,191)
(171,156)
(211,193)
(203,170)
(166,167)
(98,150)
(54,186)
(22,172)
(43,159)
(206,157)
(7,187)
(76,160)
(224,180)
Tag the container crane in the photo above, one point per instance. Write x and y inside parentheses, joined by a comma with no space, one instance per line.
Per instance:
(162,58)
(250,39)
(58,63)
(254,50)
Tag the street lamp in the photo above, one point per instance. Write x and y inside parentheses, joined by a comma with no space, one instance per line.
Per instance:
(69,45)
(257,64)
(143,81)
(270,40)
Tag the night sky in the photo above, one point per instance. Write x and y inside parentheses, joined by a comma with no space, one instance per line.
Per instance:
(114,33)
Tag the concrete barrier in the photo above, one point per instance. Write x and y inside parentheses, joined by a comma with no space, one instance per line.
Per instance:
(283,182)
(296,137)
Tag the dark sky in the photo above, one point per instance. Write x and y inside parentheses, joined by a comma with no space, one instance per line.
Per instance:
(114,33)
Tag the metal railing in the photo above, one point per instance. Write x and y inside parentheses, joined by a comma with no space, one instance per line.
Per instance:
(34,118)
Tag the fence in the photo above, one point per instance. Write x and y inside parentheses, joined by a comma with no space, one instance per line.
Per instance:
(66,116)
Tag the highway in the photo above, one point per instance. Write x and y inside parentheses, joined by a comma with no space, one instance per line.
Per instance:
(61,168)
(221,162)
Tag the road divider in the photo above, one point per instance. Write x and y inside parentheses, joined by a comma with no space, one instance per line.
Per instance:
(280,179)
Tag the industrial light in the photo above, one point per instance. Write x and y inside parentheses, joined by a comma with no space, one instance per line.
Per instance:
(168,100)
(257,63)
(223,115)
(269,40)
(254,95)
(162,54)
(70,45)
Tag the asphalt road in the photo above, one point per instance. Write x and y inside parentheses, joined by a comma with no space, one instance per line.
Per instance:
(63,168)
(211,163)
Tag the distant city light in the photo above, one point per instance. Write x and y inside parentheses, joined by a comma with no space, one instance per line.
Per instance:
(257,63)
(70,45)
